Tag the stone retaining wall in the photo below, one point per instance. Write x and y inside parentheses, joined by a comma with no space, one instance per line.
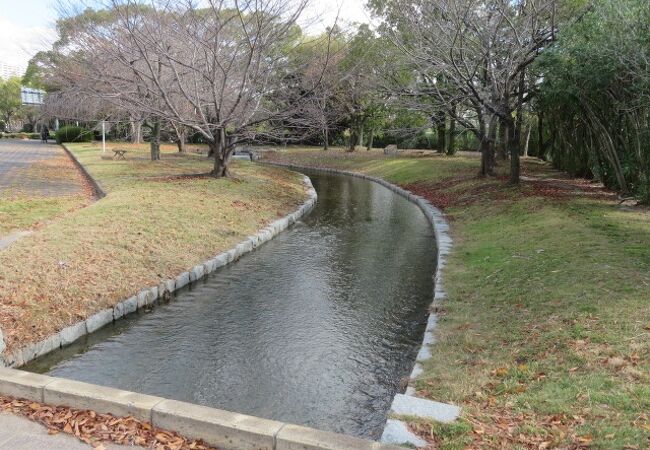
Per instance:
(408,404)
(151,296)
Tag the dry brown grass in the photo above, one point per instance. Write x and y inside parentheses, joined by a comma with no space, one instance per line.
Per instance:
(144,231)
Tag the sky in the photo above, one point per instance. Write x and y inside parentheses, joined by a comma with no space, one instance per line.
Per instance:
(27,26)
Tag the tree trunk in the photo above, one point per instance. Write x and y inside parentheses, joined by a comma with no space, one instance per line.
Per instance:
(326,138)
(371,140)
(221,155)
(155,140)
(180,139)
(515,142)
(136,131)
(360,135)
(354,139)
(502,147)
(487,147)
(514,145)
(451,145)
(541,147)
(180,143)
(530,129)
(441,131)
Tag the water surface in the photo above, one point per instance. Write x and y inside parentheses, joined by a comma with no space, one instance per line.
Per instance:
(317,327)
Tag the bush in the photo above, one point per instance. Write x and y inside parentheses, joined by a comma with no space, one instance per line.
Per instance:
(34,135)
(73,134)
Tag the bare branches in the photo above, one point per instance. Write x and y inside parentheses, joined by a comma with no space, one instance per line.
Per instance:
(211,69)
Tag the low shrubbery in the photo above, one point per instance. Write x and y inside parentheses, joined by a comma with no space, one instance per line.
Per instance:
(73,134)
(20,135)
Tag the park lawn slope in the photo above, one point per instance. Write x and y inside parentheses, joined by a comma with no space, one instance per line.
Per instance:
(151,226)
(545,340)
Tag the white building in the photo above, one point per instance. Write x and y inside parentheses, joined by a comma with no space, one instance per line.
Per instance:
(30,96)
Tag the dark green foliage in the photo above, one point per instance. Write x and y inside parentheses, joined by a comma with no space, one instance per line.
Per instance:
(595,97)
(72,133)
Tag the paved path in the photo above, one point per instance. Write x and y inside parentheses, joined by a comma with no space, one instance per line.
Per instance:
(6,241)
(17,154)
(18,433)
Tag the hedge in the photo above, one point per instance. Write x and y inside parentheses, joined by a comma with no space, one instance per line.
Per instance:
(73,134)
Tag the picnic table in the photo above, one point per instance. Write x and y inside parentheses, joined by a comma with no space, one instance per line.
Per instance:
(119,153)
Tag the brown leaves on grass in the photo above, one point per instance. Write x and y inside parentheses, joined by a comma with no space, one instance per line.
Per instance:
(499,428)
(469,189)
(95,429)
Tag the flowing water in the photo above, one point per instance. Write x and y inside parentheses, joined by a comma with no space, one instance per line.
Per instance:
(317,327)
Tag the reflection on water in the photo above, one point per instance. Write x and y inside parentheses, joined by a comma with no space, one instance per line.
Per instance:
(317,327)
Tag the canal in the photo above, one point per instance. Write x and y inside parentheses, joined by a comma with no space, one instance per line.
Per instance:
(318,327)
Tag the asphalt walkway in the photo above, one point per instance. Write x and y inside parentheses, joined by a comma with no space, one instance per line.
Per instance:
(18,433)
(16,154)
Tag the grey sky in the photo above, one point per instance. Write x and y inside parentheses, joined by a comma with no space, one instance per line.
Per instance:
(26,26)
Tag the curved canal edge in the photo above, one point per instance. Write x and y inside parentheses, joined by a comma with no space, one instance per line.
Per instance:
(396,431)
(149,297)
(222,429)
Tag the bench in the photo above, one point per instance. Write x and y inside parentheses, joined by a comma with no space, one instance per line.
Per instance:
(119,154)
(391,150)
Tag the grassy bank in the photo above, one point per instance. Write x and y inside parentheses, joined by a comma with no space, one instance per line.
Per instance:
(151,226)
(545,341)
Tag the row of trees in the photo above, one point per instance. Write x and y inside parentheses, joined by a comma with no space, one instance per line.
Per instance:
(225,71)
(519,76)
(594,102)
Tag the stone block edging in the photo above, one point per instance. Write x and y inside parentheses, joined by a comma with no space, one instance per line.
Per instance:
(150,296)
(222,429)
(99,191)
(408,404)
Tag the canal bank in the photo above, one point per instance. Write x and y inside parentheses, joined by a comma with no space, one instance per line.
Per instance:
(548,287)
(396,215)
(319,327)
(409,404)
(154,224)
(151,296)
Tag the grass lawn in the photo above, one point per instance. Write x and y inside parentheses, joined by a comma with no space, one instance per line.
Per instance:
(151,226)
(545,340)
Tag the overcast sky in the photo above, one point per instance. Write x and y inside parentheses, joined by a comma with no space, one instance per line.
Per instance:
(26,26)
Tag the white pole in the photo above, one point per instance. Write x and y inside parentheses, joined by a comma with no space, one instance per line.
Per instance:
(103,137)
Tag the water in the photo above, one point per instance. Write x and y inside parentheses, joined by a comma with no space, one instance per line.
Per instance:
(318,327)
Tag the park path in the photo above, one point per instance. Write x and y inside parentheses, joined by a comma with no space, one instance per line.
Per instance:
(17,157)
(20,154)
(18,433)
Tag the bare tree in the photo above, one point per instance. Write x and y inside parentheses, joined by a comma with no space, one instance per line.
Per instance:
(213,69)
(474,53)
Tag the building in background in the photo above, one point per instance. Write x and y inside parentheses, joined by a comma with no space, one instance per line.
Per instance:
(31,96)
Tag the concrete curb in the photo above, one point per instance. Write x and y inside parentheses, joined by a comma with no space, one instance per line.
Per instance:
(223,429)
(409,404)
(99,191)
(150,296)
